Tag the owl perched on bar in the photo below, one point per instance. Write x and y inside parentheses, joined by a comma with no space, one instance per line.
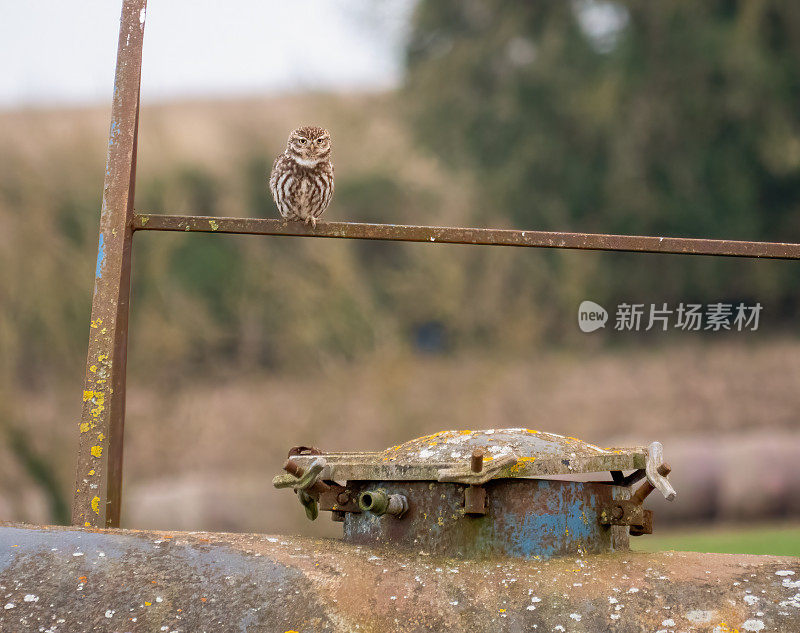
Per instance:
(302,177)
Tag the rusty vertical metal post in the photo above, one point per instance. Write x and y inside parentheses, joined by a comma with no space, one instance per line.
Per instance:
(98,482)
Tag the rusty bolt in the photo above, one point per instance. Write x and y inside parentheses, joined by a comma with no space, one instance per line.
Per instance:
(342,498)
(476,462)
(293,468)
(296,470)
(617,512)
(646,488)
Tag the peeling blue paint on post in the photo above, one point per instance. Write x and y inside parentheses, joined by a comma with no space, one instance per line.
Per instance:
(114,133)
(101,258)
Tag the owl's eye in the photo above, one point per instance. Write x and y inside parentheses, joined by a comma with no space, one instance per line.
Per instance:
(320,141)
(302,141)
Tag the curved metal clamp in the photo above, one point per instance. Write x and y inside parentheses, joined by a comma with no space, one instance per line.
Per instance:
(306,483)
(298,478)
(654,464)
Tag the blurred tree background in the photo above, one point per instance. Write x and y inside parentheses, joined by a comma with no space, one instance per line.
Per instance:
(648,118)
(661,118)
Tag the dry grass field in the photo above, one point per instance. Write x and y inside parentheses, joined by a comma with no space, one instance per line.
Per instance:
(202,453)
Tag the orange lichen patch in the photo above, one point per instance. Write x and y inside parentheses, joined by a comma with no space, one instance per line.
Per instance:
(147,604)
(82,579)
(202,599)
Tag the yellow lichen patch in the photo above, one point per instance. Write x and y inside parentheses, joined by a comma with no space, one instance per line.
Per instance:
(93,369)
(101,437)
(91,472)
(214,226)
(520,464)
(102,358)
(96,505)
(96,323)
(87,395)
(87,524)
(147,604)
(97,451)
(85,426)
(99,400)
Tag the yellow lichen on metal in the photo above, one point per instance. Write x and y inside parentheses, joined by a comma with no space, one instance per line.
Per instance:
(87,395)
(96,505)
(519,465)
(97,451)
(99,400)
(93,369)
(214,226)
(85,426)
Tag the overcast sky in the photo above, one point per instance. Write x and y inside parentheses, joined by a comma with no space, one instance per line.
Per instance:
(58,51)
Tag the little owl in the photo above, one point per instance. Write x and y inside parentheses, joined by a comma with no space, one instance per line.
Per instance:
(302,177)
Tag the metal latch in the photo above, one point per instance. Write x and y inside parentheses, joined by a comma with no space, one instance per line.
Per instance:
(630,512)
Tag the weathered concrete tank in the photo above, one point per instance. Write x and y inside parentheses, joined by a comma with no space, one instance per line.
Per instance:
(80,580)
(458,531)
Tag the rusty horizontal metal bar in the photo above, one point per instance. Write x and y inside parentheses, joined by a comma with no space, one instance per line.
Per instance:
(477,236)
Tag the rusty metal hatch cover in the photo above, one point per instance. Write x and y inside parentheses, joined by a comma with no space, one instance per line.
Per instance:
(508,453)
(484,492)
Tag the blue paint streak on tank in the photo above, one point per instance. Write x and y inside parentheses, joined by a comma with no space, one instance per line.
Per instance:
(101,258)
(566,524)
